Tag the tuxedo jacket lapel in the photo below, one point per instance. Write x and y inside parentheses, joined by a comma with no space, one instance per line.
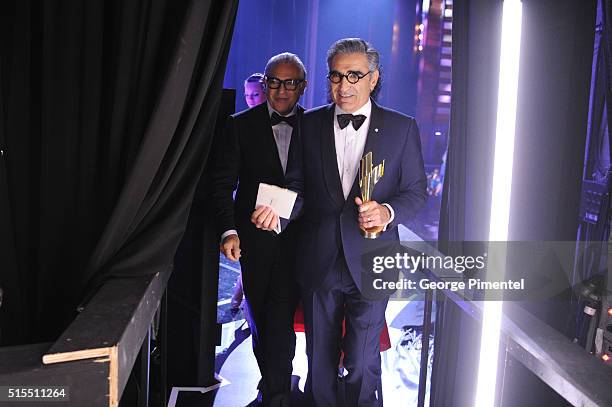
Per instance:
(329,157)
(296,133)
(374,133)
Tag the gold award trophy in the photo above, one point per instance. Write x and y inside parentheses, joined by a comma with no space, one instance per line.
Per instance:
(368,177)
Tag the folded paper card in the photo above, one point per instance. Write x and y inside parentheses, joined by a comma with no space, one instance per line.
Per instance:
(281,200)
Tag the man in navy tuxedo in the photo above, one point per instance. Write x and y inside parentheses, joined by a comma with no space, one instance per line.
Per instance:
(324,173)
(255,150)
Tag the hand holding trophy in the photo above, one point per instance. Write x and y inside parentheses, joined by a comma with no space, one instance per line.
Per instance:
(368,177)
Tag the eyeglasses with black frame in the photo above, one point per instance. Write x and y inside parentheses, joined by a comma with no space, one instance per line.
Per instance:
(289,84)
(351,76)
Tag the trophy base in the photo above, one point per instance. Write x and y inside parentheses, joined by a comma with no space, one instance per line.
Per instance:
(371,233)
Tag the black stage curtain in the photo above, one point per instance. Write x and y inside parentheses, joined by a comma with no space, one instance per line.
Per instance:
(8,278)
(108,111)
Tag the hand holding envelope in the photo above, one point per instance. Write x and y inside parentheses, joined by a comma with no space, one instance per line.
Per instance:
(272,202)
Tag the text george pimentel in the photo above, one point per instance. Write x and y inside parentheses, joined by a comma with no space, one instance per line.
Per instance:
(426,284)
(459,264)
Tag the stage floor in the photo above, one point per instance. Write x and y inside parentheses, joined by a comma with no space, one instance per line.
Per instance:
(239,374)
(237,366)
(400,364)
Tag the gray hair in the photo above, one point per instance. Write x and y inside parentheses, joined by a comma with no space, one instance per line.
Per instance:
(354,46)
(286,58)
(357,46)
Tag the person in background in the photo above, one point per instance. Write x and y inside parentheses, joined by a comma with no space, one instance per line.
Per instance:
(256,150)
(254,92)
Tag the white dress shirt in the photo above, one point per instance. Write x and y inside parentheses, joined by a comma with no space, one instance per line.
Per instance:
(282,135)
(349,149)
(349,146)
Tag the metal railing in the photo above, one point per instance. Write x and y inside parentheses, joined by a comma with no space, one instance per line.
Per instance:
(562,365)
(94,356)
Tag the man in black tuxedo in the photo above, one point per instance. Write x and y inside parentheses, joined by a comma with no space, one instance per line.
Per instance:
(324,172)
(257,146)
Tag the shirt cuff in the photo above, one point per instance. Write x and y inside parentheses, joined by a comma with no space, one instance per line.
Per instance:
(392,212)
(229,232)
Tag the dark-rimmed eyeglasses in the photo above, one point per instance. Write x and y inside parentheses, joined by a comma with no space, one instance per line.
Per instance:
(351,76)
(289,84)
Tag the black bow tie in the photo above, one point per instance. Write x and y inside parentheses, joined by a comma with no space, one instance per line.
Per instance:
(344,119)
(277,118)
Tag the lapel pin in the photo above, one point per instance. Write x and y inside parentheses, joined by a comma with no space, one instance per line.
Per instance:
(376,130)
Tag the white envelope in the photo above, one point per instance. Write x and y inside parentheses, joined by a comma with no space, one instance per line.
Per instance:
(281,200)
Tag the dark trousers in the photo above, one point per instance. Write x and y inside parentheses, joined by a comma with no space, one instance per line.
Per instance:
(271,298)
(324,309)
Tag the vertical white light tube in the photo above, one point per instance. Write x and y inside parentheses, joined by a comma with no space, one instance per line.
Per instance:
(502,182)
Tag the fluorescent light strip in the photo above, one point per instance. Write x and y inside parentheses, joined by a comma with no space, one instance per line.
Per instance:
(502,182)
(426,6)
